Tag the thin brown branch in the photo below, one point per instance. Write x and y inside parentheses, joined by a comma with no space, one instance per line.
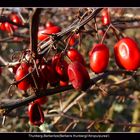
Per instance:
(34,23)
(7,107)
(72,28)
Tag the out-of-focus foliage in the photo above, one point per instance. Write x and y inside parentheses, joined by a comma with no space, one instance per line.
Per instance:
(101,101)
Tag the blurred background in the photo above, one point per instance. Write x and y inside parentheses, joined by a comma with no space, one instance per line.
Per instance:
(111,105)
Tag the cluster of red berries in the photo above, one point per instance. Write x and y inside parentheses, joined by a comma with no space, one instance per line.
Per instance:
(59,71)
(56,70)
(49,29)
(6,26)
(126,52)
(127,56)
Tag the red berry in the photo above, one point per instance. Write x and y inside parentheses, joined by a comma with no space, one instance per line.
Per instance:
(49,24)
(61,69)
(74,55)
(127,54)
(99,58)
(105,17)
(39,81)
(15,18)
(0,70)
(53,29)
(63,83)
(36,115)
(42,100)
(60,66)
(72,40)
(42,34)
(20,73)
(139,55)
(78,76)
(15,68)
(8,27)
(55,59)
(2,27)
(48,72)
